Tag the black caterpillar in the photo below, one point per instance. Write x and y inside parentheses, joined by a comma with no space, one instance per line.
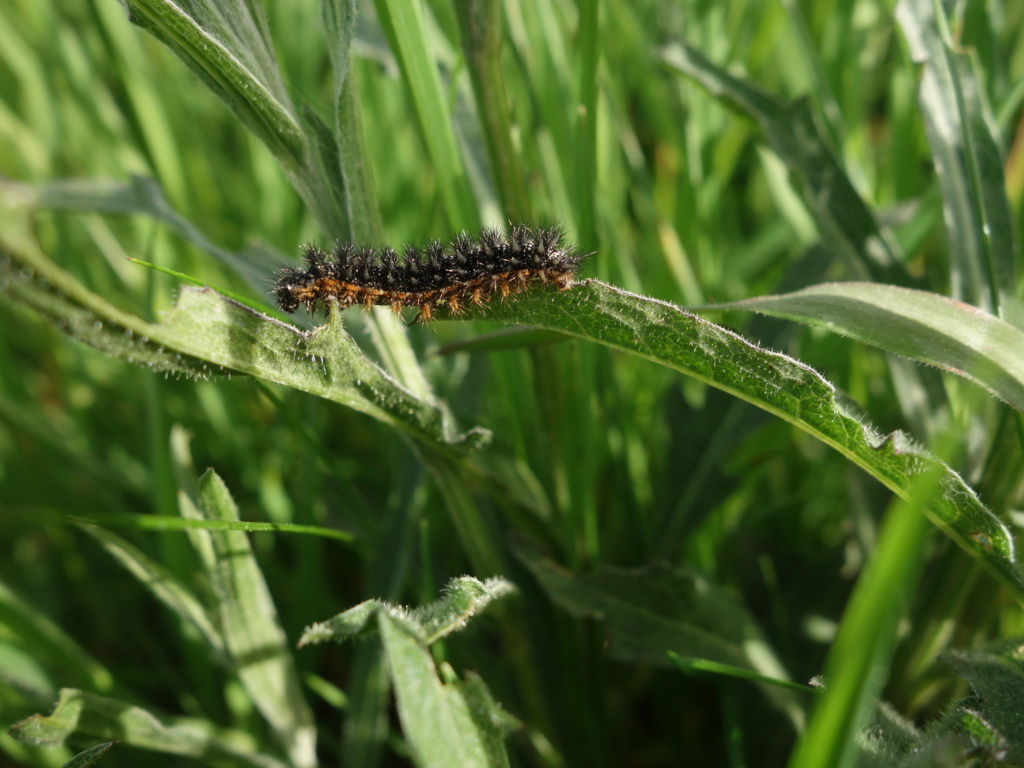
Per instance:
(468,271)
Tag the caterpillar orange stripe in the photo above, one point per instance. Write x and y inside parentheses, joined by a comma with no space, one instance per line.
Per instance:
(468,271)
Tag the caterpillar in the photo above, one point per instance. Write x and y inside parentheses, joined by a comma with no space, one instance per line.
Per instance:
(468,271)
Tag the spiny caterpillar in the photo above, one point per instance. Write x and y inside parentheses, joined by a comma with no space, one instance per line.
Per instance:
(468,271)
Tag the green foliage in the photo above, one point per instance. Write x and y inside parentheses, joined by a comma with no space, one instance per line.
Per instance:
(651,492)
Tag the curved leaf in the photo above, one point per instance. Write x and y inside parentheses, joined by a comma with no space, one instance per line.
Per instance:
(207,334)
(923,326)
(668,335)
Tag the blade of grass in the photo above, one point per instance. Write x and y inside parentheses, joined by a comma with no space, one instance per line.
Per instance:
(846,223)
(407,32)
(688,664)
(968,162)
(858,662)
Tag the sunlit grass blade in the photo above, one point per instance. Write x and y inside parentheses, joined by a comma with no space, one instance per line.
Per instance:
(968,162)
(923,326)
(407,33)
(847,224)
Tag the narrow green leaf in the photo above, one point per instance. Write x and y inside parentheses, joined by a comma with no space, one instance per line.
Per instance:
(252,632)
(651,611)
(969,164)
(162,584)
(670,336)
(480,26)
(63,302)
(688,664)
(142,195)
(84,716)
(227,44)
(339,18)
(846,223)
(351,172)
(167,523)
(858,661)
(445,724)
(407,32)
(923,326)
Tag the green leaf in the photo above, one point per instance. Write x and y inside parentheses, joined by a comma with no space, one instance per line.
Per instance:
(665,334)
(227,44)
(50,645)
(923,326)
(996,676)
(162,584)
(141,195)
(345,154)
(846,223)
(207,334)
(889,737)
(968,162)
(87,757)
(445,723)
(689,664)
(407,33)
(252,633)
(462,599)
(81,716)
(862,652)
(653,610)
